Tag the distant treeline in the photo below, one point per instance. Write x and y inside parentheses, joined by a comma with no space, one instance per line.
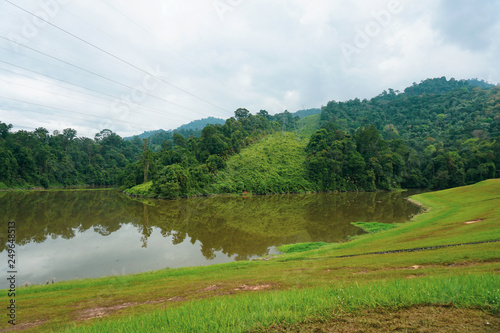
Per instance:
(29,159)
(437,134)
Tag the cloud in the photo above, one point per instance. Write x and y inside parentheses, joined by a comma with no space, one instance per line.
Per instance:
(163,63)
(469,24)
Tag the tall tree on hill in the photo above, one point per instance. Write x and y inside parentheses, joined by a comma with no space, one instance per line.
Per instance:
(146,159)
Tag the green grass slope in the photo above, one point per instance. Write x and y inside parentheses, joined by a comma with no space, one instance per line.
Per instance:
(297,289)
(275,164)
(458,215)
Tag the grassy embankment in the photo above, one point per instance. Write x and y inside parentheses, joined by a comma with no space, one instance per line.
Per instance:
(307,289)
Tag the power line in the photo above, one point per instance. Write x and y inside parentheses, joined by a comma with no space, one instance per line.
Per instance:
(66,110)
(81,92)
(166,45)
(116,57)
(155,110)
(55,115)
(102,76)
(23,126)
(67,96)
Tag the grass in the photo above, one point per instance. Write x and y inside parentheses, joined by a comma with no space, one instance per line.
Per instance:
(142,190)
(373,227)
(230,314)
(413,319)
(301,247)
(298,288)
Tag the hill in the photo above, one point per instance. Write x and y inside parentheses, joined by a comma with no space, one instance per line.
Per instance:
(444,131)
(305,113)
(201,123)
(445,137)
(437,134)
(442,86)
(434,110)
(195,125)
(275,164)
(145,134)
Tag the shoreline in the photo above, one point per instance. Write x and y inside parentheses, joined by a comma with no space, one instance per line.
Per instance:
(59,188)
(293,288)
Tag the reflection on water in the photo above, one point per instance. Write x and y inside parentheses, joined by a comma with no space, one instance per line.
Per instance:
(78,234)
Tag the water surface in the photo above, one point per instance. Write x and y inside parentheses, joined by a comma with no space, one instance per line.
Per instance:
(65,235)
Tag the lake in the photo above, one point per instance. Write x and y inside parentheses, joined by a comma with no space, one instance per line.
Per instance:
(65,235)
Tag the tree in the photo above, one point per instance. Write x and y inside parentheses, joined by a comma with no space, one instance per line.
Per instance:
(366,140)
(42,134)
(69,134)
(263,113)
(179,140)
(241,114)
(146,159)
(4,130)
(212,141)
(173,182)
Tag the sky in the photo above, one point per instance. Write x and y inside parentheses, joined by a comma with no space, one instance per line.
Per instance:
(132,66)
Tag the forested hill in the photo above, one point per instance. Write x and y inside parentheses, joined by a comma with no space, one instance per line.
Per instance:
(438,134)
(201,123)
(446,136)
(192,128)
(443,137)
(463,111)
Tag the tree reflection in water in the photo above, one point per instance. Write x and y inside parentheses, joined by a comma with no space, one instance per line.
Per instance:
(242,227)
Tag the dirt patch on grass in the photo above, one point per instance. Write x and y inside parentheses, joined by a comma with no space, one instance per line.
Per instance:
(365,270)
(22,326)
(472,222)
(211,288)
(414,319)
(104,311)
(99,312)
(253,288)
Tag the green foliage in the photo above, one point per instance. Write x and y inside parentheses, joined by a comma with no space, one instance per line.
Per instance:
(38,159)
(196,166)
(437,134)
(273,165)
(373,227)
(308,125)
(337,161)
(143,190)
(173,182)
(301,247)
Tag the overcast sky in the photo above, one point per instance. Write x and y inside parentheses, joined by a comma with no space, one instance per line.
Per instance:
(132,66)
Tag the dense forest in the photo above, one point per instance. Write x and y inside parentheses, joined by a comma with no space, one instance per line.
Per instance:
(436,134)
(31,159)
